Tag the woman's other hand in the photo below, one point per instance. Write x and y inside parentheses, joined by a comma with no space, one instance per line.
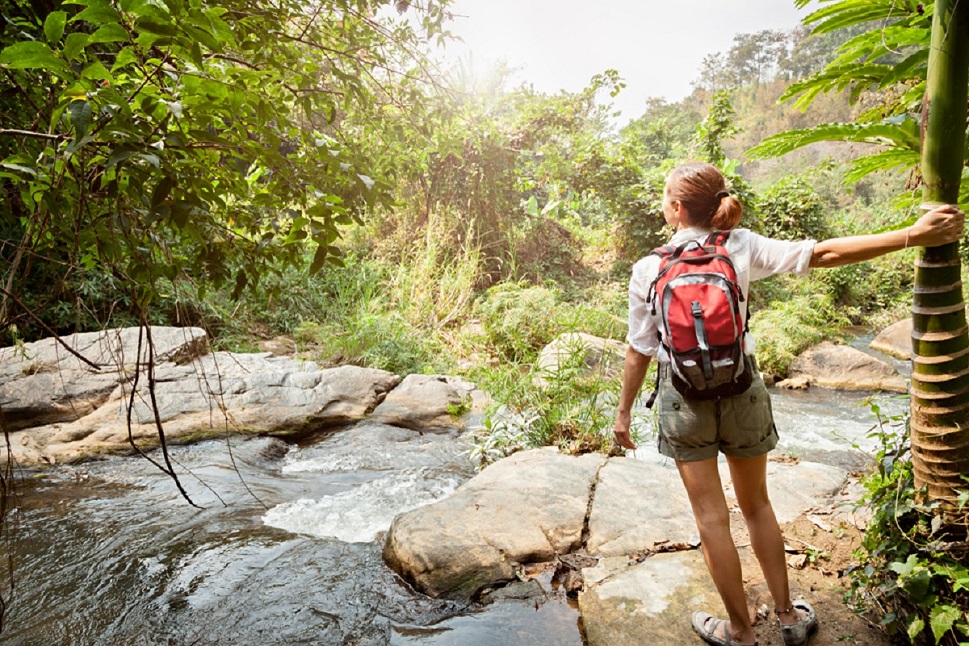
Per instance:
(621,430)
(942,225)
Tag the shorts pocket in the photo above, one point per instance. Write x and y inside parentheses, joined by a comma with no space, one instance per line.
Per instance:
(678,420)
(752,410)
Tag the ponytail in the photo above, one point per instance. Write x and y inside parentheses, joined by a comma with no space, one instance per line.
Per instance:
(728,214)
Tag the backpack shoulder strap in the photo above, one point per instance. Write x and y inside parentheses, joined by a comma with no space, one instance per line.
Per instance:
(663,252)
(718,238)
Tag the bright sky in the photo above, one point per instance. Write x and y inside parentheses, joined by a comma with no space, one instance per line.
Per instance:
(657,47)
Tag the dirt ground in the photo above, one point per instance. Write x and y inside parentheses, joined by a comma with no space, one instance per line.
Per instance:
(820,544)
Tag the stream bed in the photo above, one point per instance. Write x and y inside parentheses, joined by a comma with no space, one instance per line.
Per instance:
(284,546)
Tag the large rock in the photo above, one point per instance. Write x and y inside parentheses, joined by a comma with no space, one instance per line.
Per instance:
(529,507)
(590,355)
(895,340)
(539,505)
(627,602)
(433,403)
(795,487)
(846,368)
(638,506)
(213,395)
(43,382)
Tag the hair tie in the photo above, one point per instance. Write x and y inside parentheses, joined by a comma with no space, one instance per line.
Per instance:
(721,195)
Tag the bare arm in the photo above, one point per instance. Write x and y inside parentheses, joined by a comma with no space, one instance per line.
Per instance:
(634,371)
(939,226)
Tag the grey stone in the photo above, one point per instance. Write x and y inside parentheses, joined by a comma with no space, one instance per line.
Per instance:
(526,508)
(651,602)
(895,340)
(638,506)
(43,383)
(846,368)
(213,395)
(432,403)
(595,356)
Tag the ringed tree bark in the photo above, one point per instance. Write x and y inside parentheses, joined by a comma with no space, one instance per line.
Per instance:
(940,337)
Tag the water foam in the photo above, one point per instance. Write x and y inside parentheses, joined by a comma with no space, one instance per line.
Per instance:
(358,515)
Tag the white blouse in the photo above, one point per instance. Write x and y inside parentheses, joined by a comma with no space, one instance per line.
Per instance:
(754,257)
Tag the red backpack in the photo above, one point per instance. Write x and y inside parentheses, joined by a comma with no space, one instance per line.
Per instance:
(698,297)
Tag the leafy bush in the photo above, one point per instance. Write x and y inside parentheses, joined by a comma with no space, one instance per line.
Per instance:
(518,320)
(910,572)
(571,407)
(791,326)
(792,210)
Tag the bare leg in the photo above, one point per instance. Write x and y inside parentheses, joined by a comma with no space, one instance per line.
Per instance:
(750,484)
(702,482)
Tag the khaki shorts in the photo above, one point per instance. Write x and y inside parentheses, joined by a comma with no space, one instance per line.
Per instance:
(740,426)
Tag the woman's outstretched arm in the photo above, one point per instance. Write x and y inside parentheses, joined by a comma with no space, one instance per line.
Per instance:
(939,226)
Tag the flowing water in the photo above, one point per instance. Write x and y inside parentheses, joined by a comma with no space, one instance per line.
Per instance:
(286,547)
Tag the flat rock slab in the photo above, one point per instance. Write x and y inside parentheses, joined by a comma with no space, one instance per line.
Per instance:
(637,507)
(626,602)
(43,382)
(795,487)
(846,368)
(215,394)
(539,505)
(895,340)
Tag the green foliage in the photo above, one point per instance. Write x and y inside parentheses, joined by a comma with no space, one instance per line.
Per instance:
(519,320)
(791,326)
(181,141)
(718,126)
(888,60)
(909,569)
(570,407)
(792,210)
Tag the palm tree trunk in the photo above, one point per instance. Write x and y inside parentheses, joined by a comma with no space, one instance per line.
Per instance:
(940,338)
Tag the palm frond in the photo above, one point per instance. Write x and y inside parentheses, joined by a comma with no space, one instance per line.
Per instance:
(901,132)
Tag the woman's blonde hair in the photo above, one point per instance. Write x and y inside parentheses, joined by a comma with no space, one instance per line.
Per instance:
(702,190)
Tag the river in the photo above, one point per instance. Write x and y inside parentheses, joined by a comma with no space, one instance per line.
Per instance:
(285,545)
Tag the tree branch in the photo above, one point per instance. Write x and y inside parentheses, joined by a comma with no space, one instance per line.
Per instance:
(49,331)
(10,132)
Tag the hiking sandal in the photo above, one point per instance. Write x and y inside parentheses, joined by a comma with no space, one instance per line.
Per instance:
(702,619)
(798,633)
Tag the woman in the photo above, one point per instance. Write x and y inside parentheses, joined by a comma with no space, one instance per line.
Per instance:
(695,203)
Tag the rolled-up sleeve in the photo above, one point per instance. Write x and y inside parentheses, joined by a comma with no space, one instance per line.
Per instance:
(769,257)
(642,336)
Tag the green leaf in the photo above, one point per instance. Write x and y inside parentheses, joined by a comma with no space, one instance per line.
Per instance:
(914,628)
(319,259)
(80,112)
(155,26)
(902,132)
(110,33)
(30,54)
(162,190)
(531,207)
(98,12)
(19,167)
(97,72)
(54,26)
(124,58)
(74,44)
(941,619)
